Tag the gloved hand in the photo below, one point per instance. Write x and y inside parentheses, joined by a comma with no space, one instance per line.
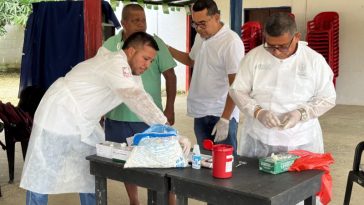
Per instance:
(268,118)
(290,119)
(185,144)
(221,130)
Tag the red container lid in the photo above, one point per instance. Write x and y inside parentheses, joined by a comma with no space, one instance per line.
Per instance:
(223,148)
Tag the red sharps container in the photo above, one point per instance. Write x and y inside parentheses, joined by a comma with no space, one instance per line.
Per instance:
(222,159)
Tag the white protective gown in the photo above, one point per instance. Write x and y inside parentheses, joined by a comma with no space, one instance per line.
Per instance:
(66,124)
(304,80)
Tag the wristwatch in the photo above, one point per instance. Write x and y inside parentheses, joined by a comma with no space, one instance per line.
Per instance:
(304,115)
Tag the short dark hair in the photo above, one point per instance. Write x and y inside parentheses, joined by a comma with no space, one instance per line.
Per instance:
(140,39)
(280,23)
(130,7)
(210,5)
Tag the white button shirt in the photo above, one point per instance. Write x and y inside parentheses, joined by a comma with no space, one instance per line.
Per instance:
(215,58)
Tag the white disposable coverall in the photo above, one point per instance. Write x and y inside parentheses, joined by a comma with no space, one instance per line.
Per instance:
(304,80)
(66,124)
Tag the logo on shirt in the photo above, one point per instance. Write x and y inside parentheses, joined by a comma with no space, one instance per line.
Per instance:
(261,66)
(126,72)
(302,71)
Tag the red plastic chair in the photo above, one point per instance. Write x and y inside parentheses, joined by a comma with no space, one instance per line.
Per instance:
(326,20)
(251,35)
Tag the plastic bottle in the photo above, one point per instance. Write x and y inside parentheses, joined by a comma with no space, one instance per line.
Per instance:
(196,157)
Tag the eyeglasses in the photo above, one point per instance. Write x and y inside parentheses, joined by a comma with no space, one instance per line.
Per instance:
(201,24)
(280,48)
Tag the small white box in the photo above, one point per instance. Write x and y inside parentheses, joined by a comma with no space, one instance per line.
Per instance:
(121,153)
(104,149)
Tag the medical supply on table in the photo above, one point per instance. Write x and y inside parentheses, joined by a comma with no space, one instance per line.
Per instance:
(241,163)
(207,144)
(222,159)
(113,150)
(207,163)
(206,160)
(121,152)
(156,130)
(104,149)
(277,163)
(158,147)
(157,152)
(196,157)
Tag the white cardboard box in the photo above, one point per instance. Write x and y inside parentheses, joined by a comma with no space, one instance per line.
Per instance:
(104,150)
(113,150)
(121,153)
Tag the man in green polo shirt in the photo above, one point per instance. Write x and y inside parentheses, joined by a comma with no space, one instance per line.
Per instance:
(121,123)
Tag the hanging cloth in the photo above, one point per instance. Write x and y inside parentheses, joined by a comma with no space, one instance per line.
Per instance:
(54,41)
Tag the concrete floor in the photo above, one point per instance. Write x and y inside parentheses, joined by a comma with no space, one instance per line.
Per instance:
(343,129)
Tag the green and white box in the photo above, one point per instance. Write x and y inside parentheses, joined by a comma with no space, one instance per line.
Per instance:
(277,163)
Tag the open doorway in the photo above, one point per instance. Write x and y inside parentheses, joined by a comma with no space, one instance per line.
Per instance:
(260,14)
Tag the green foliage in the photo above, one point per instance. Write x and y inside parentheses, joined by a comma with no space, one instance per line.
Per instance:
(14,12)
(114,4)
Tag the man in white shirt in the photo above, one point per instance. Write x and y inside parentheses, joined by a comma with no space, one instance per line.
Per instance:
(282,87)
(215,57)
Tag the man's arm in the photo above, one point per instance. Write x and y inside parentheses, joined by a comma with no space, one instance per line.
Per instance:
(325,96)
(141,104)
(221,128)
(180,56)
(229,105)
(171,90)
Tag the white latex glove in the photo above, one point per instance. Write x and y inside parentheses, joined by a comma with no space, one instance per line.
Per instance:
(221,130)
(268,118)
(290,119)
(185,144)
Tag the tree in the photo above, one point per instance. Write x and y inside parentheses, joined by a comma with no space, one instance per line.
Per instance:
(14,12)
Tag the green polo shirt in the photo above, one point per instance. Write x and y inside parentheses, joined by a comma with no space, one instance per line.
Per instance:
(151,77)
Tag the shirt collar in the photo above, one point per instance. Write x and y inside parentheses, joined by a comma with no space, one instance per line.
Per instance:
(219,32)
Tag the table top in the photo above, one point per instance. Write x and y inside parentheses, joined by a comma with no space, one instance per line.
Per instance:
(150,178)
(120,165)
(246,183)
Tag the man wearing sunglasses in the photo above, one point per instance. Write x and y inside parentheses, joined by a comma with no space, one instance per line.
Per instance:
(215,57)
(282,87)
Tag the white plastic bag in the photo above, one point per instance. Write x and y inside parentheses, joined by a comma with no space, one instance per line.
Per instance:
(157,152)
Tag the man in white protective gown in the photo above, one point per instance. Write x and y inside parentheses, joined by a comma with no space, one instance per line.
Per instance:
(282,87)
(66,124)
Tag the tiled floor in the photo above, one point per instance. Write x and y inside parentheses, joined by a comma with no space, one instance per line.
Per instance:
(343,128)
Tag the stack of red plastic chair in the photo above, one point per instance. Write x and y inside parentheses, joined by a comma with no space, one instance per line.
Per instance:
(251,35)
(323,37)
